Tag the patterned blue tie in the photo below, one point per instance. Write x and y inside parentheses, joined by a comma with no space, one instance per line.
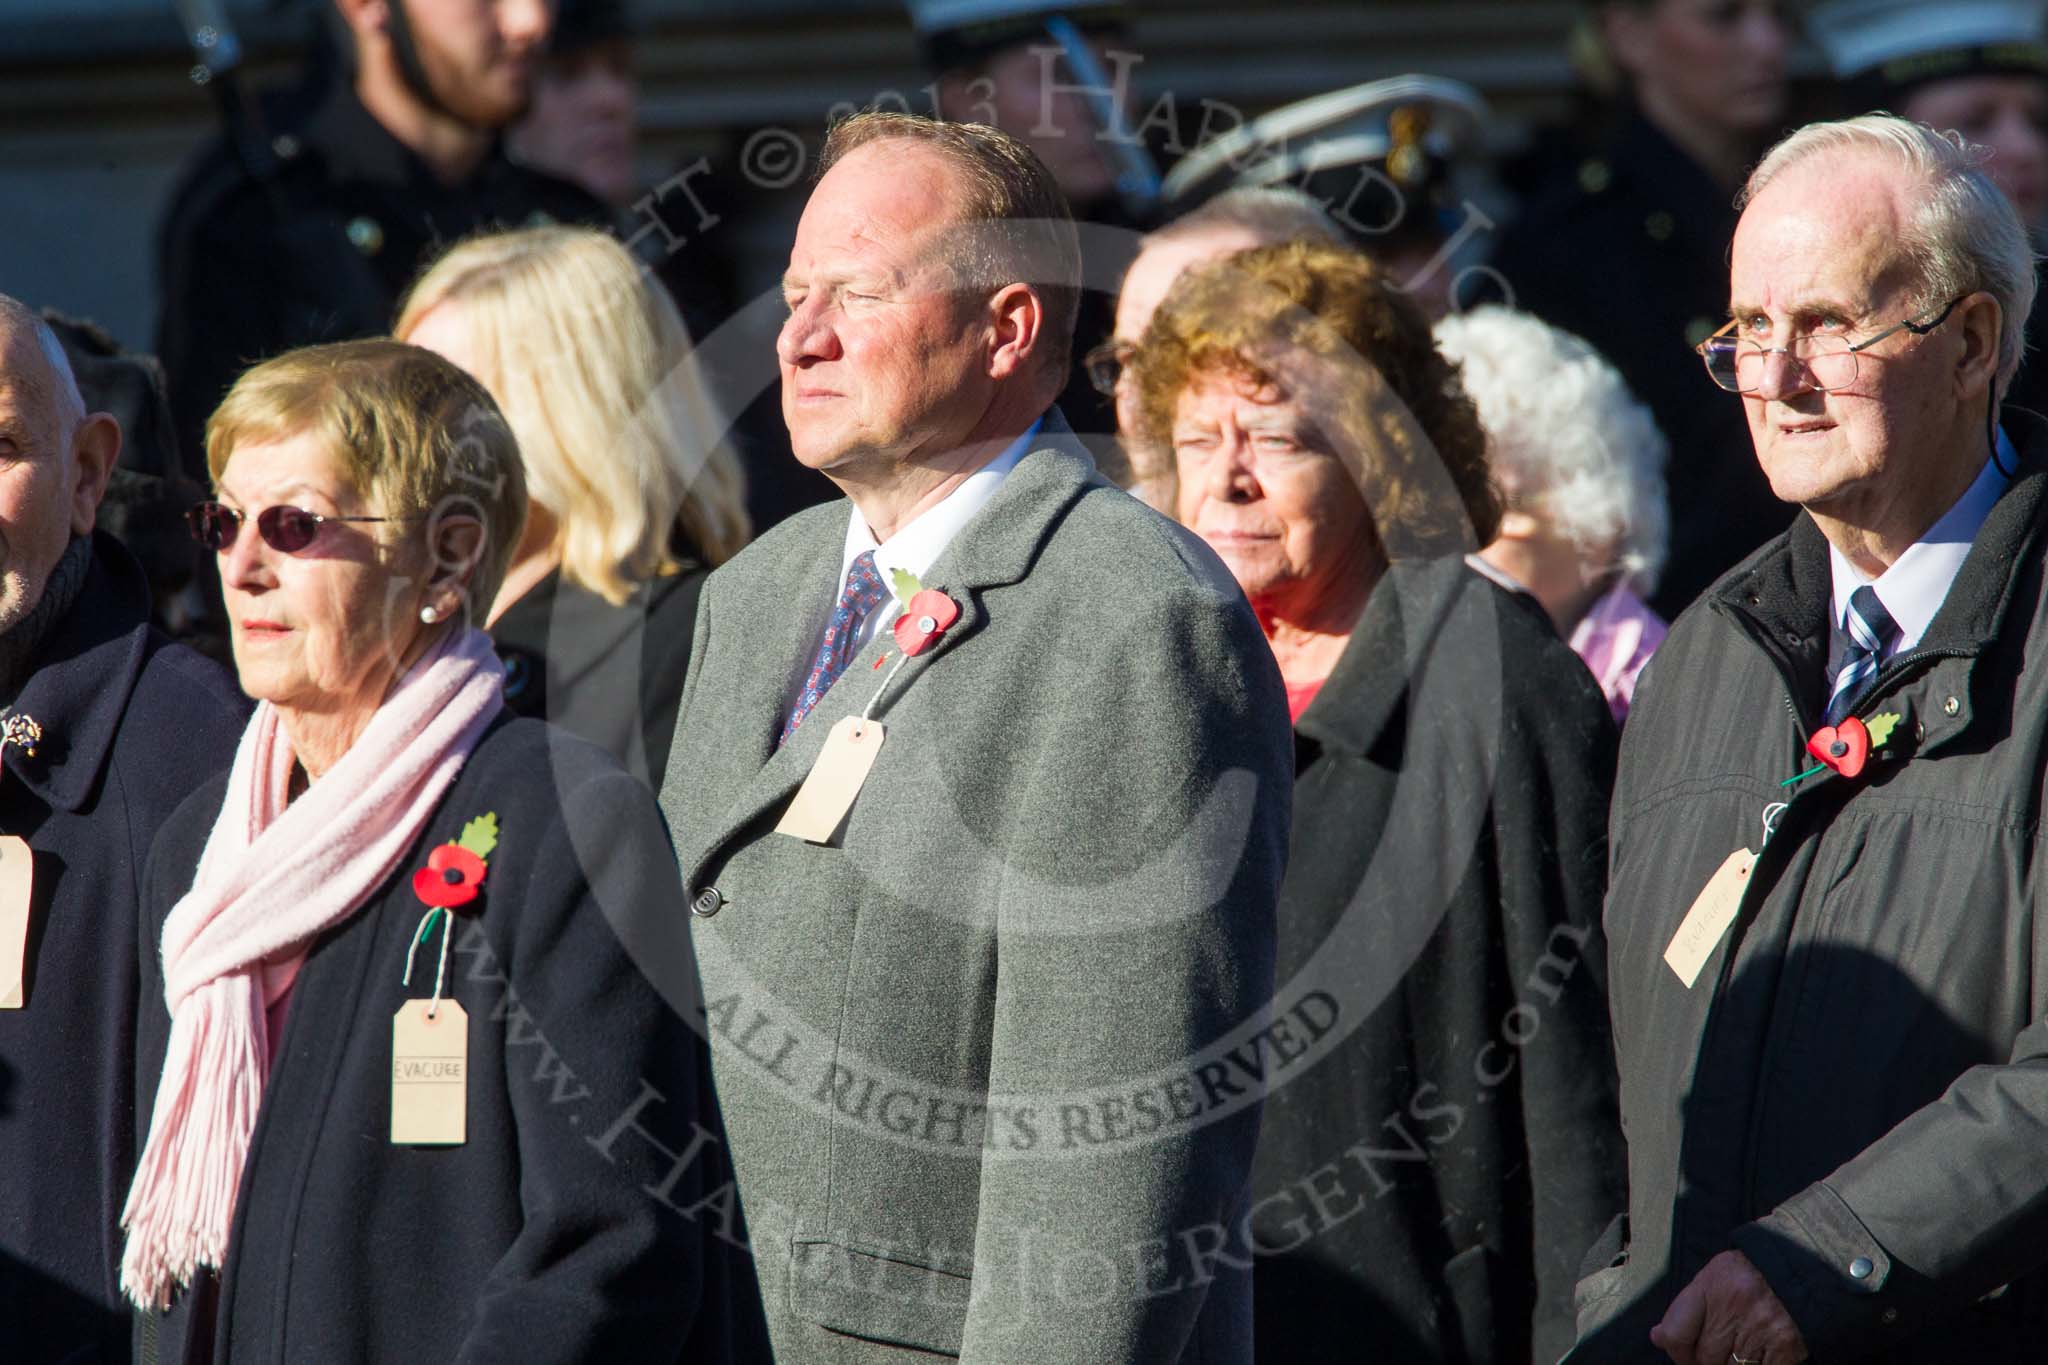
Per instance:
(862,593)
(1872,633)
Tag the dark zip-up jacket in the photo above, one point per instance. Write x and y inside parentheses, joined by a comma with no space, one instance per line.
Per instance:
(1854,1092)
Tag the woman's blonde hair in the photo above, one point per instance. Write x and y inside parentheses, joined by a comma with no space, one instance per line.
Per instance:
(415,435)
(593,368)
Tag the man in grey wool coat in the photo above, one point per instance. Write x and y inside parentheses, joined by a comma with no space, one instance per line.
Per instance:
(980,789)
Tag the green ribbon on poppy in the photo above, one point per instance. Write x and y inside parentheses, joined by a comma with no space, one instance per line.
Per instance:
(419,937)
(1880,729)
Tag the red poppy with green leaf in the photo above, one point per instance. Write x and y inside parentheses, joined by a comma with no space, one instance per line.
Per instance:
(926,613)
(1846,747)
(454,873)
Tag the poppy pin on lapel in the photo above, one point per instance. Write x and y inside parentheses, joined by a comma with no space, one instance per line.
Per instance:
(925,619)
(454,873)
(1846,748)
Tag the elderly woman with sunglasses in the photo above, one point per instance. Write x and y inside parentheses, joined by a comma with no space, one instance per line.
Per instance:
(409,1095)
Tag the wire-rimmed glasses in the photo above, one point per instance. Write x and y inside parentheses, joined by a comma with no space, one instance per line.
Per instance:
(1829,358)
(1105,365)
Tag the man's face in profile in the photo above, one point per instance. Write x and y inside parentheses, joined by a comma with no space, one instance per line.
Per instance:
(880,356)
(41,506)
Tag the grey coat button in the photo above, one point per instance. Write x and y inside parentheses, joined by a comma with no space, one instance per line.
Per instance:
(708,903)
(1860,1268)
(1951,706)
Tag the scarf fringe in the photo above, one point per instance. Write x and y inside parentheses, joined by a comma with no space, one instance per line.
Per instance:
(185,1208)
(271,878)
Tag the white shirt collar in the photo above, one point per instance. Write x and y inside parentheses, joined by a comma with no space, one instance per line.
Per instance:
(1491,571)
(917,546)
(1913,588)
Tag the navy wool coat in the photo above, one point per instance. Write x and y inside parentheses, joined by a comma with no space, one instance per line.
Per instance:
(570,1226)
(131,724)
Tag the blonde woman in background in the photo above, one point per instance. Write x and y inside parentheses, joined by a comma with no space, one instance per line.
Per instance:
(635,497)
(1581,464)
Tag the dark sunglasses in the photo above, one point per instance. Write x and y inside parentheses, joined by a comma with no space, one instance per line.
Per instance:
(287,530)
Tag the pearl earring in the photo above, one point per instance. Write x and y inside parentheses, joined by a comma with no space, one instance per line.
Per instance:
(429,615)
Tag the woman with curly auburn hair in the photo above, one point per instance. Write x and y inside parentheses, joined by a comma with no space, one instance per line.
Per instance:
(1425,1184)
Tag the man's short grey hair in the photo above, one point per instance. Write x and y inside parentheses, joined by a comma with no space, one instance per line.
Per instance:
(1964,235)
(60,384)
(1273,214)
(1568,442)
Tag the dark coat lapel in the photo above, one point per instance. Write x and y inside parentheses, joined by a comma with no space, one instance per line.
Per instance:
(995,548)
(1784,598)
(1368,689)
(83,678)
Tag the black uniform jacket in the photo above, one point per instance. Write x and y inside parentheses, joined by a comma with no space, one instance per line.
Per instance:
(1854,1090)
(1441,1145)
(571,1226)
(131,724)
(613,675)
(321,251)
(1633,256)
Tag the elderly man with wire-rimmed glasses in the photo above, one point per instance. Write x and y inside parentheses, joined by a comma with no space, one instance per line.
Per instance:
(1828,976)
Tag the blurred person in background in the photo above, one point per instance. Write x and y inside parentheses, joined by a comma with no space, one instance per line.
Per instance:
(632,499)
(1631,252)
(1048,73)
(105,726)
(1231,222)
(314,234)
(1060,76)
(149,492)
(1388,161)
(1423,1189)
(1580,464)
(295,1185)
(1980,69)
(584,127)
(584,124)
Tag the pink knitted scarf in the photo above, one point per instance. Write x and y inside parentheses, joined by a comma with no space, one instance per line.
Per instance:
(274,875)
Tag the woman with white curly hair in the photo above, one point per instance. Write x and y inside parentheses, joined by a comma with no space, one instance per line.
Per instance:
(1580,464)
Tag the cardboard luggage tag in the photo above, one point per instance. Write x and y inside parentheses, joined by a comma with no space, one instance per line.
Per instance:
(820,805)
(17,884)
(430,1074)
(1707,923)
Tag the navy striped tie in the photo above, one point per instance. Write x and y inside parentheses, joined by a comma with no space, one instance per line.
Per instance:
(1871,634)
